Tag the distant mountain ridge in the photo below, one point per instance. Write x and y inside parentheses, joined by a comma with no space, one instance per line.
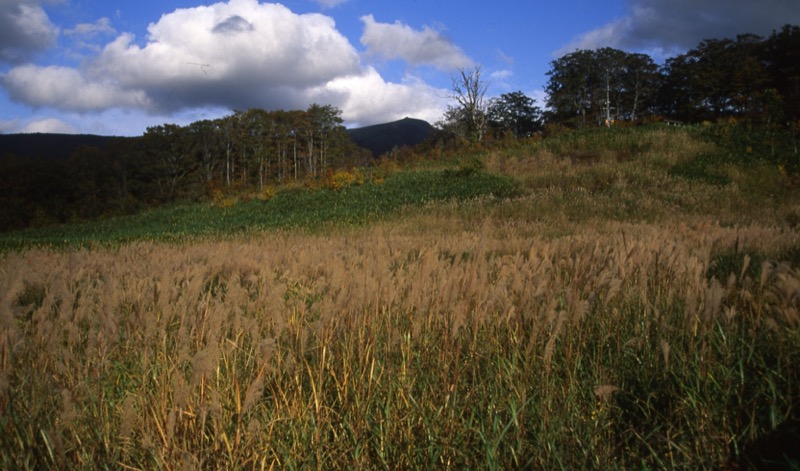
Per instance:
(49,145)
(378,139)
(382,138)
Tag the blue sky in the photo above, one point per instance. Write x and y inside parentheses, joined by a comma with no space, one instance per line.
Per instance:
(114,68)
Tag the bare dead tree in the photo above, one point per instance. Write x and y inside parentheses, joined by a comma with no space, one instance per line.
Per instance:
(469,90)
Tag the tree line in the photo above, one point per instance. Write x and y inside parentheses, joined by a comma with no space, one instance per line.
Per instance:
(245,151)
(749,77)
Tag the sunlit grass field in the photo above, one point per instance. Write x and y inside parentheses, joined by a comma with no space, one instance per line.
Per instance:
(593,300)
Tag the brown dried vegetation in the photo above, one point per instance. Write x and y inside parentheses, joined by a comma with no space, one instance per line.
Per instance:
(613,316)
(473,348)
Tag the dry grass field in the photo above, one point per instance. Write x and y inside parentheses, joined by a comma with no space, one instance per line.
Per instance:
(537,332)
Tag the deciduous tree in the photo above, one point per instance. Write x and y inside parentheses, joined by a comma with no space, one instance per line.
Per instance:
(167,145)
(515,113)
(719,77)
(570,89)
(601,86)
(782,59)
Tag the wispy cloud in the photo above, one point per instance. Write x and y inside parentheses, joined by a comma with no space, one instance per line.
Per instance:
(330,3)
(49,125)
(89,36)
(500,79)
(100,27)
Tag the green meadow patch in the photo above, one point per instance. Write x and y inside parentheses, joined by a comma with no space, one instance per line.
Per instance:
(289,208)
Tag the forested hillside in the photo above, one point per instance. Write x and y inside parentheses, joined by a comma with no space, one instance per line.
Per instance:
(56,146)
(246,151)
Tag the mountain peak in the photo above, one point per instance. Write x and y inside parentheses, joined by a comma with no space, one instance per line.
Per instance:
(382,138)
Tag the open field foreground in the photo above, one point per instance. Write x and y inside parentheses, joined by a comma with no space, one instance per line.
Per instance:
(632,345)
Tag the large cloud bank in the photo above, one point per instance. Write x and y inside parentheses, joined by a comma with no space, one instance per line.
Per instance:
(233,55)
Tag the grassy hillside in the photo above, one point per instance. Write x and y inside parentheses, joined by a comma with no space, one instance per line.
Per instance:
(599,300)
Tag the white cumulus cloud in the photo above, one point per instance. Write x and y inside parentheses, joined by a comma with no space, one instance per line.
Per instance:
(238,54)
(417,47)
(234,55)
(67,89)
(367,98)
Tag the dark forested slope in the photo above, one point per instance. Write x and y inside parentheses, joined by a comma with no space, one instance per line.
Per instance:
(382,138)
(49,145)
